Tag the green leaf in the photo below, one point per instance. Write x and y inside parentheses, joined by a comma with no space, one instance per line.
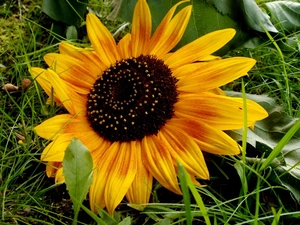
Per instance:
(72,33)
(126,221)
(247,12)
(284,14)
(254,17)
(288,179)
(70,12)
(108,219)
(77,167)
(165,221)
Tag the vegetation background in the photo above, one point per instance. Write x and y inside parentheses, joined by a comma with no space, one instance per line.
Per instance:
(261,187)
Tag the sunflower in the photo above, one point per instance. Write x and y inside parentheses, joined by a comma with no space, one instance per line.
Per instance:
(140,108)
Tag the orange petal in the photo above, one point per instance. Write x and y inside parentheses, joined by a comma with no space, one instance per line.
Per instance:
(141,28)
(221,112)
(40,76)
(124,48)
(102,40)
(52,167)
(140,189)
(96,193)
(73,102)
(77,127)
(55,151)
(86,55)
(114,173)
(65,123)
(122,170)
(185,150)
(200,48)
(158,160)
(207,137)
(214,74)
(59,176)
(165,39)
(72,71)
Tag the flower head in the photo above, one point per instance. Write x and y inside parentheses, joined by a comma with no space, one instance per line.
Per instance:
(140,108)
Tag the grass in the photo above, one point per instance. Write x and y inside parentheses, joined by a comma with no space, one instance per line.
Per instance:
(239,192)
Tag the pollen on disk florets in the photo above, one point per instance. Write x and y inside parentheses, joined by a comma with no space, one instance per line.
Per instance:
(133,98)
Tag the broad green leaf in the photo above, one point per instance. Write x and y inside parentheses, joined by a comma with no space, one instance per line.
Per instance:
(287,178)
(247,12)
(77,166)
(72,33)
(70,12)
(284,14)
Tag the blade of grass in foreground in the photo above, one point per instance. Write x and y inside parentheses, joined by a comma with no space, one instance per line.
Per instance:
(196,195)
(186,195)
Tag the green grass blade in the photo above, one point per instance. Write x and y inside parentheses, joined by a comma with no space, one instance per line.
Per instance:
(186,194)
(196,195)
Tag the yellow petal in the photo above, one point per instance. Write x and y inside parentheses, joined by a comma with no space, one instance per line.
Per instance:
(210,75)
(59,176)
(122,170)
(217,91)
(55,151)
(209,58)
(72,101)
(173,30)
(141,28)
(40,76)
(102,40)
(114,173)
(185,150)
(200,48)
(183,71)
(221,112)
(207,137)
(72,71)
(123,46)
(159,162)
(140,189)
(51,127)
(52,167)
(86,55)
(96,193)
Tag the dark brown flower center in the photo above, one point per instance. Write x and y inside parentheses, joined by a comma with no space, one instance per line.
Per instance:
(133,98)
